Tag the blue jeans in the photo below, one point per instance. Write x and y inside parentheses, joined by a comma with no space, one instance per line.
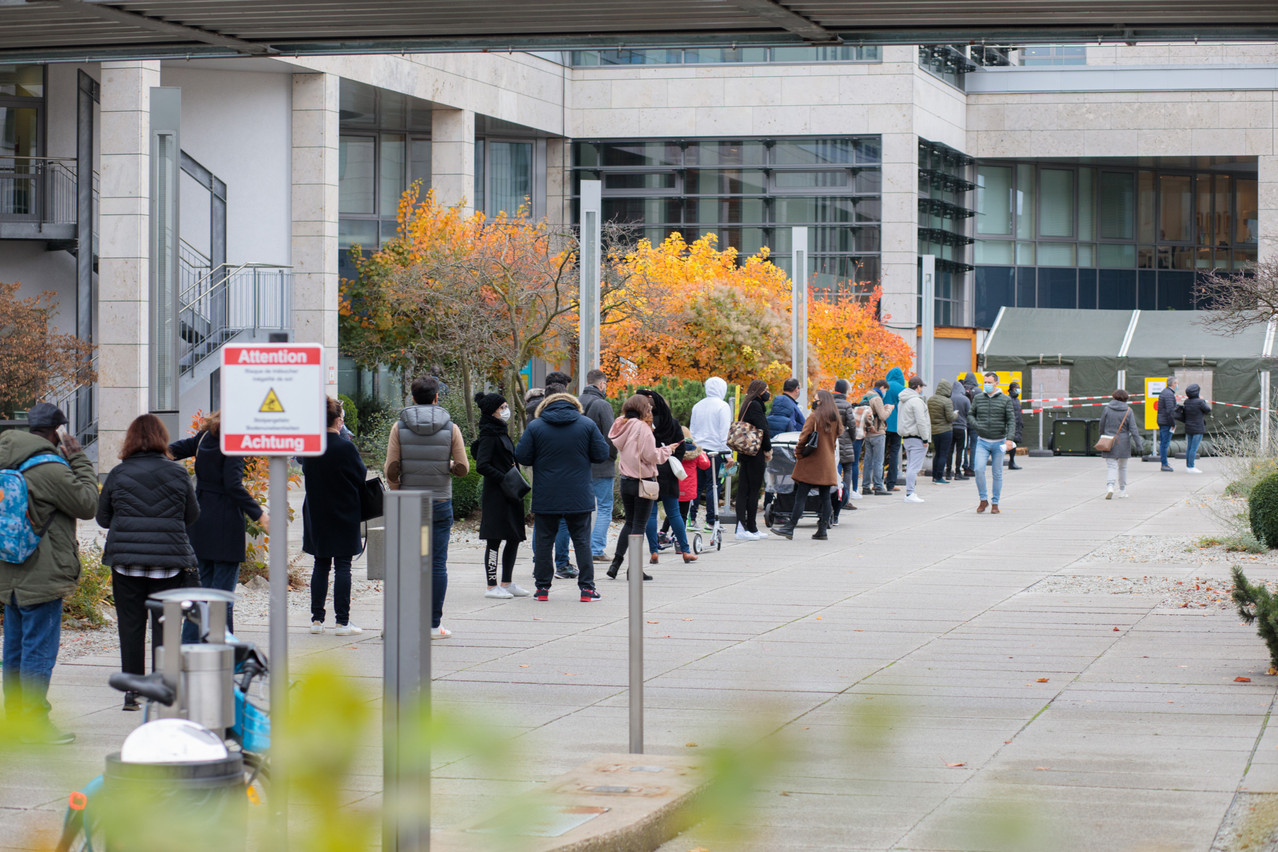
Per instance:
(1164,441)
(441,525)
(671,505)
(856,468)
(215,575)
(704,490)
(603,515)
(992,452)
(31,638)
(1191,449)
(872,474)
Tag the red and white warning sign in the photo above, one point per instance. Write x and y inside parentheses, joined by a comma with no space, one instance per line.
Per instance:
(273,399)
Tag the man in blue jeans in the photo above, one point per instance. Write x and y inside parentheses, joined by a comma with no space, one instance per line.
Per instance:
(994,419)
(61,487)
(424,453)
(1166,420)
(595,405)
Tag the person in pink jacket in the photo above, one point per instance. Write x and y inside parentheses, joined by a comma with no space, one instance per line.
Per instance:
(637,458)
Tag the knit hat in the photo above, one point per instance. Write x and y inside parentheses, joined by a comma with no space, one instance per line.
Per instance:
(489,402)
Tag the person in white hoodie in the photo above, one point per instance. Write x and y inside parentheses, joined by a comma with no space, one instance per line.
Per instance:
(711,418)
(915,428)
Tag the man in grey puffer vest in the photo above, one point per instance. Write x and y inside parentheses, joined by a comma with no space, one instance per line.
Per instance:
(424,454)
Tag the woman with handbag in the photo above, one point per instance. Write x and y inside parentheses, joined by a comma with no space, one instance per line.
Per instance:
(146,505)
(1118,432)
(637,458)
(667,431)
(752,440)
(218,535)
(502,518)
(330,521)
(817,464)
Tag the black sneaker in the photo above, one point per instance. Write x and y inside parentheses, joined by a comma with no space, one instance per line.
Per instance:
(568,572)
(542,593)
(588,595)
(131,701)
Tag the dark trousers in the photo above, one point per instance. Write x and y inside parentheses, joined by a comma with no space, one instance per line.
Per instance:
(892,455)
(969,460)
(941,453)
(954,462)
(507,561)
(801,490)
(341,567)
(130,595)
(545,524)
(750,472)
(636,511)
(715,470)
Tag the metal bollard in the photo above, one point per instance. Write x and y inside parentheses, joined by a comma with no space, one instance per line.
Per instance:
(635,577)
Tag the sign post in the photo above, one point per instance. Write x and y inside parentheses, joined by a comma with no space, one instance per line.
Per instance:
(273,405)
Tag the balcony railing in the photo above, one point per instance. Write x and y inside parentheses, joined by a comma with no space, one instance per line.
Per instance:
(38,190)
(229,301)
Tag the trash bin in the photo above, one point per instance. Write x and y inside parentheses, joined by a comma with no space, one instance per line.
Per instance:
(1070,437)
(209,794)
(1093,435)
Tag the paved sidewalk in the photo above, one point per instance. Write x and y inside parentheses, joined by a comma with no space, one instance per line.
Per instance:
(1009,712)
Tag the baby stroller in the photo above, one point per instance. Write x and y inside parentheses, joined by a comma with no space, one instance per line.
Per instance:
(778,481)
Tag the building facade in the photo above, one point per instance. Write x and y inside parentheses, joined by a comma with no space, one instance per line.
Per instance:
(1078,177)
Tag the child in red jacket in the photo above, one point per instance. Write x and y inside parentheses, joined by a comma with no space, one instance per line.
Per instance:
(694,459)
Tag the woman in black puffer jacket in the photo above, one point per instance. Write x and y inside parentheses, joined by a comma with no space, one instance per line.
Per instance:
(146,505)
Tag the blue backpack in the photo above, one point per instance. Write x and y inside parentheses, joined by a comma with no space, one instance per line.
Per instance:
(18,538)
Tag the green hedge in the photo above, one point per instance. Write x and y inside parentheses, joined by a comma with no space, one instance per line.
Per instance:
(350,412)
(466,491)
(1262,511)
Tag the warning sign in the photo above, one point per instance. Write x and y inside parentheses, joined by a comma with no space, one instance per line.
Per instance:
(273,399)
(271,404)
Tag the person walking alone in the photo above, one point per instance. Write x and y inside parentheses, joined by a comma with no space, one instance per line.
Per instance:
(816,467)
(940,410)
(637,458)
(995,425)
(1166,421)
(915,429)
(1195,410)
(1118,421)
(146,505)
(502,517)
(751,468)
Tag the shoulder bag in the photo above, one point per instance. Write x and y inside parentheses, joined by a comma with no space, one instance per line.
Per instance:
(810,445)
(744,438)
(372,499)
(1105,443)
(513,484)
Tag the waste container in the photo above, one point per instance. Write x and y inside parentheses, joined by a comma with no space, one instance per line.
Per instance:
(1093,435)
(1070,437)
(209,794)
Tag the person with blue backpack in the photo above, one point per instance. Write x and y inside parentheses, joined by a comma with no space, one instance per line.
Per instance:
(46,483)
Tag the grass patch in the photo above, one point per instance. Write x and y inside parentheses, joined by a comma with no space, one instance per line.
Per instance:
(1236,543)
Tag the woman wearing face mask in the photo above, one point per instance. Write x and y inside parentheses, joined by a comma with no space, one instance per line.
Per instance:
(502,518)
(752,467)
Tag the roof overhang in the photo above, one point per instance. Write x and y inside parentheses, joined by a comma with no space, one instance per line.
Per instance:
(52,30)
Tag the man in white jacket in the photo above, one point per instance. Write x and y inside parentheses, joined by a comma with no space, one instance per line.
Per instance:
(711,419)
(915,428)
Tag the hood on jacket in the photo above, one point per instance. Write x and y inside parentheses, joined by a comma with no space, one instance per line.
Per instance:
(969,382)
(425,419)
(716,388)
(907,395)
(1117,405)
(1192,391)
(19,445)
(560,409)
(944,388)
(895,376)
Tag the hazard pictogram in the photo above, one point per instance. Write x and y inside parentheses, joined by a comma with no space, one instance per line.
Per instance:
(271,405)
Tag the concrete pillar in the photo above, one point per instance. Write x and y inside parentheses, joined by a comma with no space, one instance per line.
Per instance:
(314,206)
(900,232)
(1267,201)
(558,182)
(452,156)
(123,250)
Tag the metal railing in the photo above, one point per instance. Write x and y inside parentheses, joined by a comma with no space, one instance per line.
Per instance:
(38,189)
(228,301)
(79,402)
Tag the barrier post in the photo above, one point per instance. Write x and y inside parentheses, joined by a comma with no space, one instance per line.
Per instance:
(634,576)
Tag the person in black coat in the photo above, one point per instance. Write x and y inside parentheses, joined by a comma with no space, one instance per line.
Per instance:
(1194,412)
(501,519)
(751,468)
(330,521)
(1014,392)
(666,430)
(146,505)
(218,536)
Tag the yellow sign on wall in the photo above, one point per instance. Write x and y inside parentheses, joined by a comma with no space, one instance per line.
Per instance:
(1153,387)
(1005,378)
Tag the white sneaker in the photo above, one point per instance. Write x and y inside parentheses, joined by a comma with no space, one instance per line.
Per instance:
(440,632)
(317,627)
(499,592)
(744,534)
(913,498)
(1192,470)
(1109,493)
(855,495)
(517,592)
(1123,494)
(348,630)
(761,534)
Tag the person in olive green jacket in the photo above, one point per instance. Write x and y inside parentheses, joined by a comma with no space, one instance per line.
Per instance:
(940,409)
(994,417)
(33,591)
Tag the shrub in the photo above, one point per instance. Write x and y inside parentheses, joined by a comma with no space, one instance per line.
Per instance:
(374,437)
(466,491)
(681,394)
(1262,511)
(93,591)
(1256,605)
(350,412)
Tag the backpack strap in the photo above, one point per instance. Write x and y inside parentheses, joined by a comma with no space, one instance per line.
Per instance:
(42,458)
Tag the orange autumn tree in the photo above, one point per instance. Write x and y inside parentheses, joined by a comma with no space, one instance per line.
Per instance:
(846,340)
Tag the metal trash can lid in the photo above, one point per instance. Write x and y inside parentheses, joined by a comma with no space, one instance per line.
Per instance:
(206,658)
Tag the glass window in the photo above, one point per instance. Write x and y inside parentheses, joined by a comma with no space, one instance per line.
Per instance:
(509,177)
(813,152)
(1055,254)
(19,133)
(799,211)
(356,232)
(391,174)
(1116,196)
(1176,219)
(1222,220)
(726,154)
(419,162)
(1086,203)
(869,151)
(22,81)
(1116,256)
(1145,208)
(356,160)
(1248,218)
(994,252)
(358,104)
(725,182)
(994,200)
(1025,201)
(639,180)
(640,154)
(1056,202)
(810,180)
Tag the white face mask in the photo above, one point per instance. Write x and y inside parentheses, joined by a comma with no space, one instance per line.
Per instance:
(503,414)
